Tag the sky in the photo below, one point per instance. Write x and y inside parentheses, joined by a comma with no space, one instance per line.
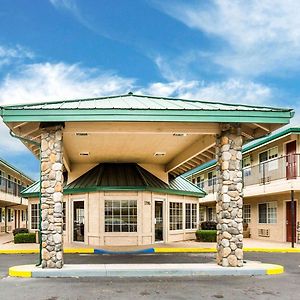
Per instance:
(218,50)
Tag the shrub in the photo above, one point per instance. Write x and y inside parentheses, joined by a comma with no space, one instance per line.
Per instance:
(20,230)
(208,225)
(21,238)
(206,235)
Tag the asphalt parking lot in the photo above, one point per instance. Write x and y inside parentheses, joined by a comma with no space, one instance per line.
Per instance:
(285,286)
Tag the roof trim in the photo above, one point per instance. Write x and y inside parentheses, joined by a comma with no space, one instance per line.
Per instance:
(116,188)
(38,112)
(249,147)
(10,166)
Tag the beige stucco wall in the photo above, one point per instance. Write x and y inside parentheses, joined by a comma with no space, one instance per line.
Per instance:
(94,230)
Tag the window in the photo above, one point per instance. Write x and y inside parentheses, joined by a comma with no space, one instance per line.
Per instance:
(246,164)
(2,219)
(175,216)
(64,216)
(190,216)
(10,215)
(211,214)
(267,213)
(200,181)
(8,181)
(268,159)
(35,216)
(212,178)
(120,216)
(1,177)
(247,213)
(23,215)
(201,213)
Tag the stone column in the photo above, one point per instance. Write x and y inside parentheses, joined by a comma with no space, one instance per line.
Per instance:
(52,197)
(229,197)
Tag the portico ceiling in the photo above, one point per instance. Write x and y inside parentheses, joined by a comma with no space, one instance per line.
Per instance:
(133,128)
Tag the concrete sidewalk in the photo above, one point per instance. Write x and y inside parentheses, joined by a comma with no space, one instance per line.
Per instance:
(146,270)
(7,246)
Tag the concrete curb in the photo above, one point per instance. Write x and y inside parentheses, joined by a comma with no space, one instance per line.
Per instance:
(145,270)
(149,250)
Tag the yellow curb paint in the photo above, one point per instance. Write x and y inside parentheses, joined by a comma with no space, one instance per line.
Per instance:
(19,251)
(79,250)
(275,270)
(34,251)
(273,250)
(184,250)
(19,271)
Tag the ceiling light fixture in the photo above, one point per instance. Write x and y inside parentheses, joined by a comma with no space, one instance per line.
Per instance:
(159,153)
(81,133)
(179,134)
(84,153)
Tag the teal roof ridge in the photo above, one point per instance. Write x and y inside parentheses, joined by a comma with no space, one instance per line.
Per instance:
(145,96)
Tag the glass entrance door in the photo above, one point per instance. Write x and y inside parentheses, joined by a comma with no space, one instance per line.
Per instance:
(159,222)
(78,221)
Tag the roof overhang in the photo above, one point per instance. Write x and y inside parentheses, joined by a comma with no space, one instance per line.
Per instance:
(143,116)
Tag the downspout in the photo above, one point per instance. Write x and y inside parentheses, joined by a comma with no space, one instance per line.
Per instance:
(22,139)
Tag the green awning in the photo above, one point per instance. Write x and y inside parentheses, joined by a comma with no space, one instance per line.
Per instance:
(123,177)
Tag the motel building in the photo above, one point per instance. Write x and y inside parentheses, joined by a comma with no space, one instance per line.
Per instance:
(111,169)
(271,177)
(13,207)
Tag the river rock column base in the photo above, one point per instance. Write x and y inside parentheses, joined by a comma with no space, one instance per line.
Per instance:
(52,197)
(229,197)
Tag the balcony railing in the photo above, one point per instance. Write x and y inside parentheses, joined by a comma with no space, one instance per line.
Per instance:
(10,187)
(284,167)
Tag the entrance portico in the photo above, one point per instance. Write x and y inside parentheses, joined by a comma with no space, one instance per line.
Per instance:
(164,136)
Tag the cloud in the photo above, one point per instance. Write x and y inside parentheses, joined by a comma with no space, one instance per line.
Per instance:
(258,36)
(14,54)
(231,90)
(48,82)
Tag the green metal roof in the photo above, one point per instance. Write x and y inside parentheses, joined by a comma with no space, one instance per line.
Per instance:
(132,107)
(123,177)
(31,191)
(250,146)
(10,166)
(270,137)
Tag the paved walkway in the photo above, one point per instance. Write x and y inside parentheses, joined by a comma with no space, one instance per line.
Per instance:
(6,244)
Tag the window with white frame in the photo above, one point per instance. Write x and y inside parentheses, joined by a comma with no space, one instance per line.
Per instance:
(202,210)
(190,216)
(246,164)
(211,214)
(176,216)
(120,216)
(200,181)
(35,215)
(212,178)
(267,213)
(267,159)
(246,213)
(10,215)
